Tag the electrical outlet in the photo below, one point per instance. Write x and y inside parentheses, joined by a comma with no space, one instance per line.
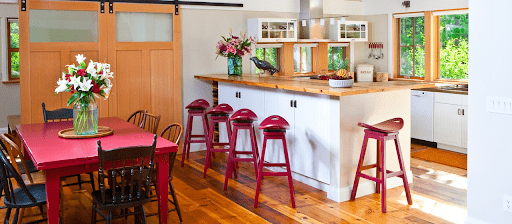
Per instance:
(499,105)
(507,203)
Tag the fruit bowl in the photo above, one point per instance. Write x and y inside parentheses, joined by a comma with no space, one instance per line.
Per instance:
(341,83)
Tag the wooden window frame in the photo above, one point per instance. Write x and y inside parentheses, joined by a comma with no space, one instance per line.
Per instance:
(314,51)
(344,55)
(437,50)
(278,56)
(414,46)
(10,50)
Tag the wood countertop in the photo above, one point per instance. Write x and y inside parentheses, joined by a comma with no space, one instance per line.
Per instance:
(305,84)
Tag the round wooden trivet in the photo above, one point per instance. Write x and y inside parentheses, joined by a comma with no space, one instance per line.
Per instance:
(70,133)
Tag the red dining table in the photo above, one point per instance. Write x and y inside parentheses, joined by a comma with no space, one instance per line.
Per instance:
(60,157)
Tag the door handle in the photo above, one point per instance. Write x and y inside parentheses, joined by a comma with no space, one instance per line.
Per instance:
(239,94)
(291,103)
(295,104)
(462,112)
(458,112)
(236,94)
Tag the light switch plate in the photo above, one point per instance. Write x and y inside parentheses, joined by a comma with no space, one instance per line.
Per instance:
(499,105)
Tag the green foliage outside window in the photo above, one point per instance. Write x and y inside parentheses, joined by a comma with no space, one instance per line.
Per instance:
(412,50)
(15,43)
(267,54)
(454,49)
(336,60)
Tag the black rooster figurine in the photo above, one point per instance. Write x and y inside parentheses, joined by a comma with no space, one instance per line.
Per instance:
(264,66)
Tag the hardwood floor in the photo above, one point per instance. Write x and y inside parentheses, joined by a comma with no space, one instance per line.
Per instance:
(436,194)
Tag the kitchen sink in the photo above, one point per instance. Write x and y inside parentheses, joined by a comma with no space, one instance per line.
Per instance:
(458,87)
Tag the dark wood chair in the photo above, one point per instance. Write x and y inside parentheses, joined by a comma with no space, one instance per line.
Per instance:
(62,114)
(138,118)
(22,197)
(151,123)
(65,114)
(14,152)
(126,183)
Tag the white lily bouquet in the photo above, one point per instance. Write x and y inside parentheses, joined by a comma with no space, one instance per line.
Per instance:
(85,82)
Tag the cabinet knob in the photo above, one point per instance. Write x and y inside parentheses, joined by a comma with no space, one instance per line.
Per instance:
(458,111)
(295,104)
(462,112)
(291,103)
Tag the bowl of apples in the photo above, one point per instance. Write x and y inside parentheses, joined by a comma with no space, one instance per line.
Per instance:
(342,79)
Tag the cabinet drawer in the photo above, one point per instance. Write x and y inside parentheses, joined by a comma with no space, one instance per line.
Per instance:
(448,98)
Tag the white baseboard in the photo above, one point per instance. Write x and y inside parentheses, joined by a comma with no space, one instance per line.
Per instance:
(452,148)
(3,130)
(470,220)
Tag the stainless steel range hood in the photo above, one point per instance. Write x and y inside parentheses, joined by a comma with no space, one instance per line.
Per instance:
(313,9)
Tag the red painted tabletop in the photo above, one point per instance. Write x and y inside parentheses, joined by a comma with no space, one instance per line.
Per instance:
(48,150)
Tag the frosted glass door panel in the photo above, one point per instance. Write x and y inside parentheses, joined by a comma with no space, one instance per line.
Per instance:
(63,26)
(143,27)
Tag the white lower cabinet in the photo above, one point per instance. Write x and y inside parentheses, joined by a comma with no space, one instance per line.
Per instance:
(450,120)
(308,139)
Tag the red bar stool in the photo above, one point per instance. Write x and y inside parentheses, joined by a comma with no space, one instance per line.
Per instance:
(218,114)
(242,119)
(274,127)
(383,131)
(195,109)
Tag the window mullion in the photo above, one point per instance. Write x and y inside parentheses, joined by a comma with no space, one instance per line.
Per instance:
(414,46)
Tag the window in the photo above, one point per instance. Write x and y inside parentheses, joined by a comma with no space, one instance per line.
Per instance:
(303,57)
(270,55)
(453,46)
(13,49)
(412,47)
(336,57)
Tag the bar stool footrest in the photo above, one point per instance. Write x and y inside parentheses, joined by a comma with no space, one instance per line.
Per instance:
(219,150)
(242,153)
(197,141)
(368,167)
(197,136)
(370,178)
(275,174)
(274,164)
(394,174)
(243,160)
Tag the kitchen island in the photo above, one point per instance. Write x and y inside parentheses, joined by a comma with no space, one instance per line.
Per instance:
(324,141)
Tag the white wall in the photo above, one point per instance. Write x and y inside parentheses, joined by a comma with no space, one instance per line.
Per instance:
(9,93)
(201,30)
(342,7)
(489,149)
(373,7)
(254,5)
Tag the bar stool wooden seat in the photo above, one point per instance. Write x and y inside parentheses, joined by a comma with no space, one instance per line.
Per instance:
(218,114)
(387,130)
(274,127)
(242,120)
(195,109)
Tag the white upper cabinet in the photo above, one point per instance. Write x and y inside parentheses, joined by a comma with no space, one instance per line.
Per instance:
(272,30)
(349,31)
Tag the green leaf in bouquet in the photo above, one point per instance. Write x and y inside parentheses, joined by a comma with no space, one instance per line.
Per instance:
(73,98)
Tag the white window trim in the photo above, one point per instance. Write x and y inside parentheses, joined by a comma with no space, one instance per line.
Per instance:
(450,12)
(3,48)
(407,15)
(338,44)
(305,45)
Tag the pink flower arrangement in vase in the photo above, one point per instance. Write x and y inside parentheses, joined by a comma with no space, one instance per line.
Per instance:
(234,48)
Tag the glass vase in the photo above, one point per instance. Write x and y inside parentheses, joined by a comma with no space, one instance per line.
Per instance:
(85,118)
(235,66)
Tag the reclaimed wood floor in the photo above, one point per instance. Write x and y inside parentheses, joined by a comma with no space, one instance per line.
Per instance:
(437,194)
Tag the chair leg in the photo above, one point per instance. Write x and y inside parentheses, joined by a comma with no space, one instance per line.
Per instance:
(209,146)
(377,175)
(254,147)
(260,172)
(358,171)
(20,217)
(186,143)
(92,181)
(402,168)
(230,168)
(16,216)
(143,215)
(93,217)
(175,201)
(288,170)
(383,175)
(79,181)
(7,215)
(205,132)
(109,217)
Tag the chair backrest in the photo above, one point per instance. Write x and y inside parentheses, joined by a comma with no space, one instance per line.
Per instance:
(135,173)
(14,152)
(151,123)
(172,133)
(7,172)
(57,115)
(138,118)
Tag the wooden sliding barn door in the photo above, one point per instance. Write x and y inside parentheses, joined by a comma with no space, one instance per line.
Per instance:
(51,34)
(145,55)
(140,41)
